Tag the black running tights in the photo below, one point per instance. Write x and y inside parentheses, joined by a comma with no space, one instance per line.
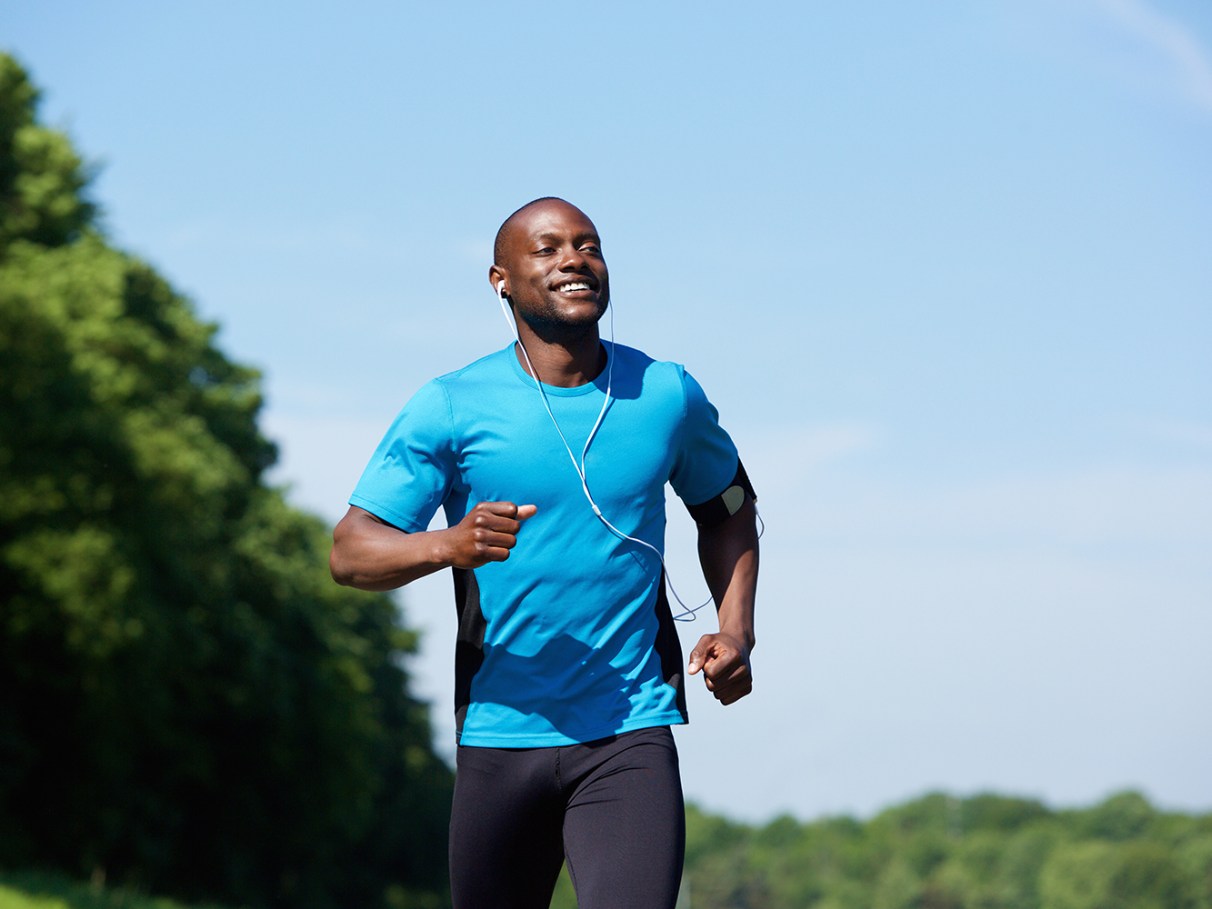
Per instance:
(612,808)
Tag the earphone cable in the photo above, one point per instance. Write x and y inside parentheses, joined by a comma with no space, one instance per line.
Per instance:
(687,614)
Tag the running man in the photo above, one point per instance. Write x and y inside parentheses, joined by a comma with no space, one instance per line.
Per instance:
(568,668)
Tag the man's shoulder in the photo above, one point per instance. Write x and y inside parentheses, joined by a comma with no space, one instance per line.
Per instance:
(634,359)
(472,382)
(488,368)
(639,374)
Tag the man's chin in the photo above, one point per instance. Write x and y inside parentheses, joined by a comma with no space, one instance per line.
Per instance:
(565,325)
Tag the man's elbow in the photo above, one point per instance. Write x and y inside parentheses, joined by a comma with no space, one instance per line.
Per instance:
(340,564)
(339,567)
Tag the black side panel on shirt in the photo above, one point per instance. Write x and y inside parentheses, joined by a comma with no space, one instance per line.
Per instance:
(469,645)
(669,648)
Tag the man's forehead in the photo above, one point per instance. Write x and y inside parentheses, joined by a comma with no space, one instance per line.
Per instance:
(546,215)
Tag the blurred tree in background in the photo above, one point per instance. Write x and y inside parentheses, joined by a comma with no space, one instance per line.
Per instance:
(187,701)
(942,852)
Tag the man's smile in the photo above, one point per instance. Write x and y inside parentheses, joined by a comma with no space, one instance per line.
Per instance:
(568,287)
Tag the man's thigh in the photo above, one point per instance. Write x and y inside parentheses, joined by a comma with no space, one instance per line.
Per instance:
(505,829)
(625,824)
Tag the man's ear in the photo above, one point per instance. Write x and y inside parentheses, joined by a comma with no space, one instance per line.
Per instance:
(496,276)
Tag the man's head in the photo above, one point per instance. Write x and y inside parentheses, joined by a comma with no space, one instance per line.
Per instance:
(549,256)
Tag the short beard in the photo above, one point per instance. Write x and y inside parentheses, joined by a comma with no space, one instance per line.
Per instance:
(554,330)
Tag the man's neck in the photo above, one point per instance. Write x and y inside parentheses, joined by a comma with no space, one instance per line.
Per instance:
(567,362)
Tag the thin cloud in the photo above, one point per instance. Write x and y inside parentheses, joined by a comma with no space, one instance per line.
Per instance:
(813,446)
(1154,510)
(1170,38)
(1196,436)
(796,455)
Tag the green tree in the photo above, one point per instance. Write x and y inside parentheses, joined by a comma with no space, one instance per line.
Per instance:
(1122,816)
(1195,857)
(897,887)
(41,177)
(1023,855)
(1107,875)
(187,701)
(941,852)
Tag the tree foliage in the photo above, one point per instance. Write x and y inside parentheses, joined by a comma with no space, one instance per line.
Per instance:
(941,852)
(187,701)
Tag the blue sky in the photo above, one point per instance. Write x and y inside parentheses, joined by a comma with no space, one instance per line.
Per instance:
(944,268)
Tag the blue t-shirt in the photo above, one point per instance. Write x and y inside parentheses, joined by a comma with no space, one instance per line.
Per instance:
(570,639)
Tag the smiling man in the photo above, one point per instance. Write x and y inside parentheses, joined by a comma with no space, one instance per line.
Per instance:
(549,459)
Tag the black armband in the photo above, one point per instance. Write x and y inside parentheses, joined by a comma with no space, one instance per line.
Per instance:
(718,509)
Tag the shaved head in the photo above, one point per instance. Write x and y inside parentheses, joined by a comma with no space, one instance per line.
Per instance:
(549,266)
(498,246)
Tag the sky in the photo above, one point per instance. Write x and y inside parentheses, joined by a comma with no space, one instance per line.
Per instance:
(945,269)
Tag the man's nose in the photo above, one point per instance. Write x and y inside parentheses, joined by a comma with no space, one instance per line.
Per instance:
(572,259)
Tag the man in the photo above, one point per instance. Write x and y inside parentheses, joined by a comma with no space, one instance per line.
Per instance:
(568,669)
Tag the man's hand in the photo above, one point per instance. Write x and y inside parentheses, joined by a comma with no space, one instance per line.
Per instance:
(487,534)
(370,554)
(724,661)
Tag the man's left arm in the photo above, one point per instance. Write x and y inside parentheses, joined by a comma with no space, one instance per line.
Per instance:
(728,551)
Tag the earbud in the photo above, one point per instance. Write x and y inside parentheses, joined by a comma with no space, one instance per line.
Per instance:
(500,288)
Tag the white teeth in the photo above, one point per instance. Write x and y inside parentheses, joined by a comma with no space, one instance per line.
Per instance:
(576,285)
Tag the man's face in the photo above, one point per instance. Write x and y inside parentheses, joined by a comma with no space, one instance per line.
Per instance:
(555,273)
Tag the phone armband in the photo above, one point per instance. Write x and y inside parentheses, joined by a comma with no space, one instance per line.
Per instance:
(719,508)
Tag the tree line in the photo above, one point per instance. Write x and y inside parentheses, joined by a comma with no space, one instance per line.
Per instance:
(943,852)
(187,702)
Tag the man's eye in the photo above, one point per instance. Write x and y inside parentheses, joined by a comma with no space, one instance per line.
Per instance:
(545,251)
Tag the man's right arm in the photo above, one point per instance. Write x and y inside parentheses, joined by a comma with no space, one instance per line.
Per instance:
(370,554)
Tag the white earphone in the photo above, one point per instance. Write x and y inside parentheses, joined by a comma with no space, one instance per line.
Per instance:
(687,614)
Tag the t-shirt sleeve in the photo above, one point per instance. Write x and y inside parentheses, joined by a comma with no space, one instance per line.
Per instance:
(706,460)
(412,470)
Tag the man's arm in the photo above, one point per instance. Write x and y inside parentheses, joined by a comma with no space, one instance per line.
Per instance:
(370,554)
(728,552)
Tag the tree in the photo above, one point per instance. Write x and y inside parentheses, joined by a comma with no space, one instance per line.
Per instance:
(942,852)
(186,699)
